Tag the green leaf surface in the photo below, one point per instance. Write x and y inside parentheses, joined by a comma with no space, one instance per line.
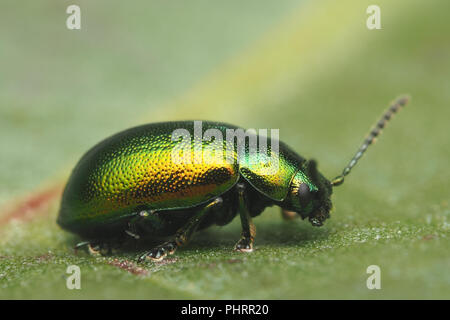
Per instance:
(311,69)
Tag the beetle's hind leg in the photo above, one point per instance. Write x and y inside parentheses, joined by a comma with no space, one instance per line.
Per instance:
(182,236)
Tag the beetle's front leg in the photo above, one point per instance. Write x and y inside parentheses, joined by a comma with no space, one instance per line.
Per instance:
(245,244)
(182,236)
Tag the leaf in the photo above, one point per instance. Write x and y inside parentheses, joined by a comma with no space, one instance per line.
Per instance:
(315,72)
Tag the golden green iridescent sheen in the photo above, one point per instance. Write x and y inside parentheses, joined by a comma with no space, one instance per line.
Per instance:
(136,169)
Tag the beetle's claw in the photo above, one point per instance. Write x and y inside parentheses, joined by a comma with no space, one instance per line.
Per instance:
(160,252)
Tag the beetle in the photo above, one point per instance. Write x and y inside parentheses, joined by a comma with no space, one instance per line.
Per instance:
(133,184)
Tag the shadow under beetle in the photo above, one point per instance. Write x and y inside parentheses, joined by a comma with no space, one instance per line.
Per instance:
(130,185)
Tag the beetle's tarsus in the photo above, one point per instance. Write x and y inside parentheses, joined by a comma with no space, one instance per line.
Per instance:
(244,245)
(160,252)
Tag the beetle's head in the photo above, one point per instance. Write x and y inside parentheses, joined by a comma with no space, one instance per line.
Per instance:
(310,194)
(310,191)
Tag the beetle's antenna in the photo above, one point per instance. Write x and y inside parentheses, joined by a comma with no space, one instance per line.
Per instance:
(375,132)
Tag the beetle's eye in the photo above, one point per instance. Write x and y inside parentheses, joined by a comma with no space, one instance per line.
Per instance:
(304,194)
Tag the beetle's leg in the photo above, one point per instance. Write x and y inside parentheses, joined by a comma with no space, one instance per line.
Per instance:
(132,230)
(245,244)
(182,236)
(81,244)
(94,249)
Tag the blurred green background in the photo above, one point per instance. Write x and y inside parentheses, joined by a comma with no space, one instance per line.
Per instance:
(310,68)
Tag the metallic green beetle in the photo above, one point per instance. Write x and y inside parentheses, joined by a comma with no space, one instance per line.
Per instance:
(146,182)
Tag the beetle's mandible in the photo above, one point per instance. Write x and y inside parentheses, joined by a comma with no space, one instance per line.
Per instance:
(129,185)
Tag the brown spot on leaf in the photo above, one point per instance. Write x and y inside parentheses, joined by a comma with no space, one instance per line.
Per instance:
(44,257)
(29,206)
(129,266)
(231,261)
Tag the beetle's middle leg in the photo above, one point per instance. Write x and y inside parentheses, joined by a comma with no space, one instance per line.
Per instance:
(182,236)
(245,244)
